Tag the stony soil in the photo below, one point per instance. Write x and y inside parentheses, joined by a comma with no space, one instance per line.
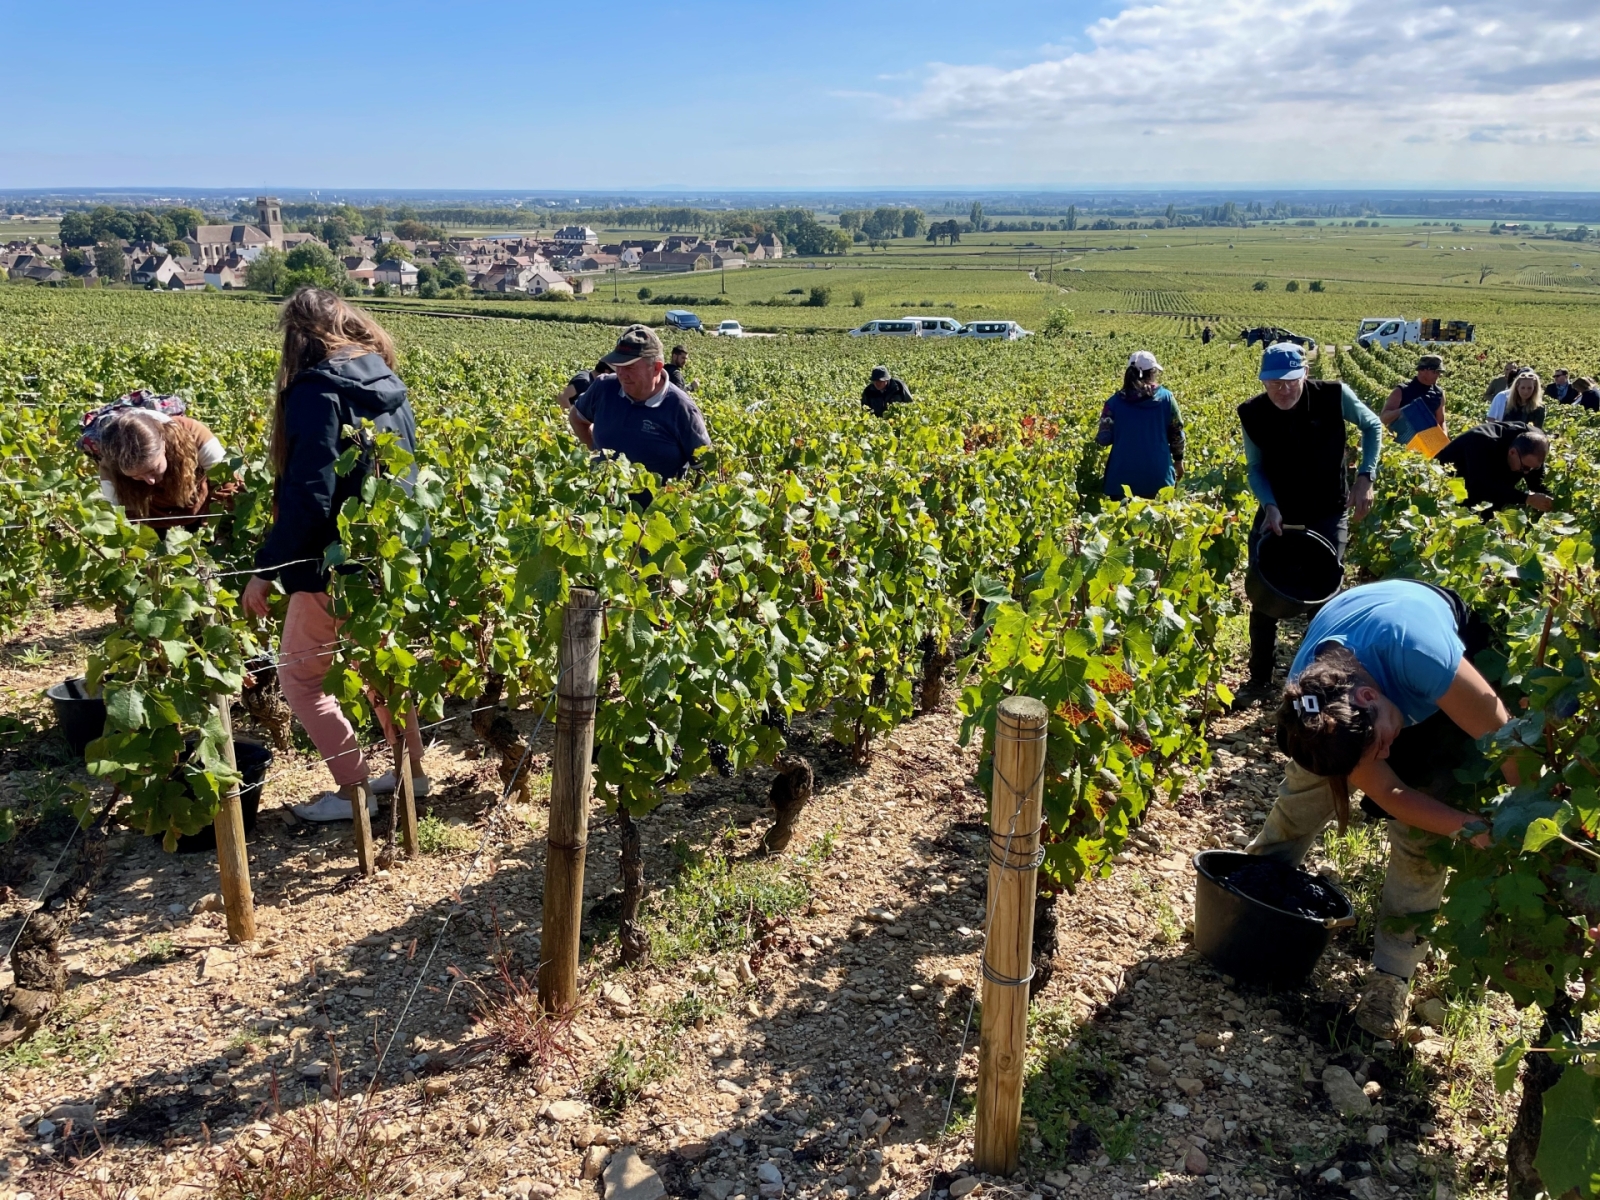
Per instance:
(816,1059)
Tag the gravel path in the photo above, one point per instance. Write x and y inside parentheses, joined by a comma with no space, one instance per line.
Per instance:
(814,1060)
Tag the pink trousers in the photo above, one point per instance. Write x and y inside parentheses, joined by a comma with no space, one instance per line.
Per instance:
(310,635)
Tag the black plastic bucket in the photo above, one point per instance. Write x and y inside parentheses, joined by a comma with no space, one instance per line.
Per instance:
(1292,573)
(80,716)
(253,759)
(1249,939)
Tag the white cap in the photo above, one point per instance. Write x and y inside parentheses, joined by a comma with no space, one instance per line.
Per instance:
(1144,361)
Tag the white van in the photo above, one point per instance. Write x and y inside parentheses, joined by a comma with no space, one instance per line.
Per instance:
(937,326)
(1007,331)
(904,327)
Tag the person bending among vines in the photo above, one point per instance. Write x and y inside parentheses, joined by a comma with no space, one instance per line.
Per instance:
(1142,425)
(882,390)
(1502,464)
(1383,697)
(336,388)
(157,467)
(1585,394)
(579,384)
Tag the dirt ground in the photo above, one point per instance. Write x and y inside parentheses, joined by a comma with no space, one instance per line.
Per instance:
(811,1054)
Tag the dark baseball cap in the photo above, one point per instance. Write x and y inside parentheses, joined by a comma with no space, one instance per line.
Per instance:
(636,342)
(880,373)
(1430,362)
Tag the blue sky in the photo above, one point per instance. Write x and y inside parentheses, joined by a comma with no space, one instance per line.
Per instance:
(487,94)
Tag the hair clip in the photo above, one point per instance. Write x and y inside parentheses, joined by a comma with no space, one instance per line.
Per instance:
(1308,705)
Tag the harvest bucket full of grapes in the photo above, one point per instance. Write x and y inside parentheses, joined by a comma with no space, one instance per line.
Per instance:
(1261,919)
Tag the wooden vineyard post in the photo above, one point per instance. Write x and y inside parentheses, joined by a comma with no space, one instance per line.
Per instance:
(408,799)
(571,785)
(1014,816)
(233,864)
(361,830)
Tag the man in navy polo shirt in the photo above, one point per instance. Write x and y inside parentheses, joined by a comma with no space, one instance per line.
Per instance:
(638,412)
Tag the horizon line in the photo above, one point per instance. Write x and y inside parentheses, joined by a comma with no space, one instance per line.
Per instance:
(688,190)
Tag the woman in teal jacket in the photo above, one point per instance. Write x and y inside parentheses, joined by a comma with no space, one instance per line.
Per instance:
(1144,429)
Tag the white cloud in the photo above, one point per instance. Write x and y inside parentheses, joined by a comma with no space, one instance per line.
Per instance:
(1367,88)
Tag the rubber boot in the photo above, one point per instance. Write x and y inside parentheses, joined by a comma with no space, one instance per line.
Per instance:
(1263,649)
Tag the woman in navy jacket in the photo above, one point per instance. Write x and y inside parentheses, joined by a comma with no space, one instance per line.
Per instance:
(1144,429)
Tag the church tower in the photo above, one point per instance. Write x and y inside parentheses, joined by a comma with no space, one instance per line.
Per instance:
(269,219)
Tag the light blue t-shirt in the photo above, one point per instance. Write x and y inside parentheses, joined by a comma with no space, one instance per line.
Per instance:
(1402,632)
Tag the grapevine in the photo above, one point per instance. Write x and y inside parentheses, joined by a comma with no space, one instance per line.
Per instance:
(804,576)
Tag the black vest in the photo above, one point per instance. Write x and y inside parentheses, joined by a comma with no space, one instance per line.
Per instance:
(1303,451)
(1432,396)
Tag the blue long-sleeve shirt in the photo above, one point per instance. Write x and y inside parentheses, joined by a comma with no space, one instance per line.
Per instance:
(1356,413)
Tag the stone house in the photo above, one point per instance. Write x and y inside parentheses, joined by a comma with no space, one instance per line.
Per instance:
(157,271)
(397,273)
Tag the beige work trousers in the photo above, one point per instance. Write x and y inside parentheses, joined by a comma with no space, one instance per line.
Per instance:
(1412,884)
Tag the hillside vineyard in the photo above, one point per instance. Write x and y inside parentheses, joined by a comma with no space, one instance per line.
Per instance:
(809,569)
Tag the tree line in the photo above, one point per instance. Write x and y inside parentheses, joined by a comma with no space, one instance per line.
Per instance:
(104,223)
(337,224)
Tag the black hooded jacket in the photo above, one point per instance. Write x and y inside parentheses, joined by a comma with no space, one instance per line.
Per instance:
(361,392)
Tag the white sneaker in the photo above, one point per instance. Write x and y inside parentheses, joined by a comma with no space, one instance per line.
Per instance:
(330,806)
(421,785)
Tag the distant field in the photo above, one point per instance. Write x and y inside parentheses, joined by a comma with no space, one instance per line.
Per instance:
(1160,281)
(1157,282)
(11,231)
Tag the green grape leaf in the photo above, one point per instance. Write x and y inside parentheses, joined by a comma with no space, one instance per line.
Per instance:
(992,590)
(658,531)
(144,620)
(125,706)
(429,489)
(106,756)
(1515,810)
(1520,895)
(1541,832)
(1569,1147)
(1505,1067)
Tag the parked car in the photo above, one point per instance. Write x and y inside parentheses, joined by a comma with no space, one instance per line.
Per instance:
(1006,331)
(937,326)
(682,318)
(904,327)
(729,329)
